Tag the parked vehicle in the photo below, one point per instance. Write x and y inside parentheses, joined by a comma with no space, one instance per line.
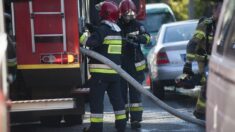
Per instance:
(220,106)
(156,15)
(166,59)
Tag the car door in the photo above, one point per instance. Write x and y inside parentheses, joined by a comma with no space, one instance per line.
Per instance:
(221,83)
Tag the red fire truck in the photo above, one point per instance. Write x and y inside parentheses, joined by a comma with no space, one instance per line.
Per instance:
(49,63)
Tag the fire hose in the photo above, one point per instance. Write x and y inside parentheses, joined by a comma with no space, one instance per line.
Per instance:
(140,88)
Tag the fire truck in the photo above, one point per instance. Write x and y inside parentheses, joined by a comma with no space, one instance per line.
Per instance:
(49,63)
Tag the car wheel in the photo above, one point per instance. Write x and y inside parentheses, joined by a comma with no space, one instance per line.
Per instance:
(157,88)
(73,119)
(51,120)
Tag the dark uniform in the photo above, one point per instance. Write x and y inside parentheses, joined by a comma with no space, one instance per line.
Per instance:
(133,62)
(199,49)
(108,43)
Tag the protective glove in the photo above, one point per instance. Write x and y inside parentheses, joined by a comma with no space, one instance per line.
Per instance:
(90,27)
(188,68)
(133,38)
(84,38)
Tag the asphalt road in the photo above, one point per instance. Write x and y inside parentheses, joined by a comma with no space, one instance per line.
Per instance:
(154,118)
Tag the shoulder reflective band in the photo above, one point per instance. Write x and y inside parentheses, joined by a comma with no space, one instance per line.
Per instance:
(107,71)
(199,34)
(147,38)
(140,65)
(115,49)
(120,117)
(114,40)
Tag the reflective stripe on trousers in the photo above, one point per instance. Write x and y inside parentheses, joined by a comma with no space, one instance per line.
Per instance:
(120,115)
(96,118)
(134,107)
(101,68)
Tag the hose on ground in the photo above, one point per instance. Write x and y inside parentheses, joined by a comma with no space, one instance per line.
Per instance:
(140,88)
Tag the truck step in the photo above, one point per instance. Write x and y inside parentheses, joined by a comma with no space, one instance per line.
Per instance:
(42,104)
(81,90)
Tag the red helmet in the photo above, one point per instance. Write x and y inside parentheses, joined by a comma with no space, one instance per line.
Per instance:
(127,8)
(108,10)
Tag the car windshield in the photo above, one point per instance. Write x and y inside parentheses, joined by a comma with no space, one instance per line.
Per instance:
(182,32)
(154,21)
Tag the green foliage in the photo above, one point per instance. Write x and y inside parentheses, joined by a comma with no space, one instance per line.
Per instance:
(180,8)
(202,8)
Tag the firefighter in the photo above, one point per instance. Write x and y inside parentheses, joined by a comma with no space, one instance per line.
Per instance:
(133,61)
(199,49)
(106,40)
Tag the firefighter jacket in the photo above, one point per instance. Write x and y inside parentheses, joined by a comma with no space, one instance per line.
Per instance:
(199,47)
(107,41)
(133,34)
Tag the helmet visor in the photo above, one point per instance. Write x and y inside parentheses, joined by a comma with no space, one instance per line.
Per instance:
(130,15)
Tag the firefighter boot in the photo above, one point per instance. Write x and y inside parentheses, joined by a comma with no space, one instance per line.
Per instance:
(199,112)
(135,125)
(86,129)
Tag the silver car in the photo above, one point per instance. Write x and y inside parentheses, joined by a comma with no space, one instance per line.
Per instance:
(220,105)
(166,59)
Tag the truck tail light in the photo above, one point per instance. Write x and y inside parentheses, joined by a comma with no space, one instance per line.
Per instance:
(58,58)
(162,58)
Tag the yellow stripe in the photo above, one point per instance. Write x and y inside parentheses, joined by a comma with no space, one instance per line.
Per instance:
(147,37)
(190,56)
(201,103)
(140,68)
(108,71)
(115,49)
(200,34)
(96,120)
(114,42)
(136,108)
(120,117)
(48,66)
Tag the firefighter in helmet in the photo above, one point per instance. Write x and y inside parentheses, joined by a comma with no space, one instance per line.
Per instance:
(133,61)
(199,49)
(106,40)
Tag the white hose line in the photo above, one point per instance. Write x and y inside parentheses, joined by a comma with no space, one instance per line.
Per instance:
(140,88)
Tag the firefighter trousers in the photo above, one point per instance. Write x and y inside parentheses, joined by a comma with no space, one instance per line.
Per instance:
(132,99)
(98,85)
